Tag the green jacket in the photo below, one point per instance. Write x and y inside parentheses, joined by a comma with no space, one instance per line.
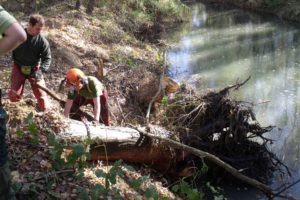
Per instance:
(91,89)
(35,50)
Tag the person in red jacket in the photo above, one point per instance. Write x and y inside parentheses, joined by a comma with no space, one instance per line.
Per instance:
(84,90)
(31,59)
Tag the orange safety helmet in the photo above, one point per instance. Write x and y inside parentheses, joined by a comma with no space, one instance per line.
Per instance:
(73,76)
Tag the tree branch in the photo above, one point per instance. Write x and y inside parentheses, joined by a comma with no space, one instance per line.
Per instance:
(202,154)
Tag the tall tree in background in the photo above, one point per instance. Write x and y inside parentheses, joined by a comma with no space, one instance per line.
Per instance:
(29,6)
(90,7)
(77,5)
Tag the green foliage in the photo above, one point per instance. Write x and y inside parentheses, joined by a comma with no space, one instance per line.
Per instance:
(83,194)
(76,159)
(165,101)
(56,151)
(215,191)
(190,190)
(185,188)
(275,3)
(19,133)
(31,128)
(151,192)
(161,58)
(77,156)
(136,184)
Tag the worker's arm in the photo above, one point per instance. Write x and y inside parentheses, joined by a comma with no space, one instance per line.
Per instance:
(12,37)
(45,56)
(68,106)
(97,108)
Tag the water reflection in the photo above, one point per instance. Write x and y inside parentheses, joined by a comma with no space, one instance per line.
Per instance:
(220,46)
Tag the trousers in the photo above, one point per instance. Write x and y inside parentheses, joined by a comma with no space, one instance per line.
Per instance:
(17,87)
(104,112)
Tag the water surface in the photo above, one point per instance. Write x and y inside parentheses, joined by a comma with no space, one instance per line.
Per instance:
(220,46)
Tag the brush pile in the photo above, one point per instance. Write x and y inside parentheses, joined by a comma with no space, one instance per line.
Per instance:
(225,128)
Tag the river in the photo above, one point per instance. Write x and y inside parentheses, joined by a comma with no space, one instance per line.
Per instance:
(220,46)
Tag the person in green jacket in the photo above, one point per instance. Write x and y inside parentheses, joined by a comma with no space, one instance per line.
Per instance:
(30,60)
(11,35)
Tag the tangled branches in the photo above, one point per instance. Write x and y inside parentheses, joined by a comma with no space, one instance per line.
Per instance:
(226,128)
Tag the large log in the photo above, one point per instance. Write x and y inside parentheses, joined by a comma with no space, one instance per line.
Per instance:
(124,143)
(151,145)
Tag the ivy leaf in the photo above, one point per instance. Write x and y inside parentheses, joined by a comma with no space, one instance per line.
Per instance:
(83,195)
(193,195)
(152,192)
(29,118)
(33,129)
(96,191)
(175,188)
(135,184)
(129,168)
(100,173)
(19,133)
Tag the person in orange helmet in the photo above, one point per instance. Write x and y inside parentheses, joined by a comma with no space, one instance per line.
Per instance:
(84,90)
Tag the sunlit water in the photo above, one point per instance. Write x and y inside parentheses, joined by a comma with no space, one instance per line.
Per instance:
(220,46)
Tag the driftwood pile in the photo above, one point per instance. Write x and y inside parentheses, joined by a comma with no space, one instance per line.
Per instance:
(225,128)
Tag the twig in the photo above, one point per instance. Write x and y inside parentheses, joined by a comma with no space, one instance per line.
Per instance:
(53,174)
(109,70)
(122,114)
(236,86)
(28,144)
(287,187)
(154,98)
(51,93)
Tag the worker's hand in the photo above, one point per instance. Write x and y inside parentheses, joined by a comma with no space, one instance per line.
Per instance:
(38,75)
(44,70)
(95,123)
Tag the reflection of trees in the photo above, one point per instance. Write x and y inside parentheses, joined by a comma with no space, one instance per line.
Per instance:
(231,37)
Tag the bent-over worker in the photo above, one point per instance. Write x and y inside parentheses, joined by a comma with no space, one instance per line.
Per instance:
(84,90)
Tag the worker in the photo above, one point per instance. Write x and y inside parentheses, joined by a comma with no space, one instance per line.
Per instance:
(11,35)
(30,60)
(84,90)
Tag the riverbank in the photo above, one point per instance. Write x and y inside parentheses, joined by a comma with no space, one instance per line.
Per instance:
(287,10)
(123,39)
(129,45)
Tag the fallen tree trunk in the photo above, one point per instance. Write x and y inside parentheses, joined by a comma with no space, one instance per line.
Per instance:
(141,146)
(122,143)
